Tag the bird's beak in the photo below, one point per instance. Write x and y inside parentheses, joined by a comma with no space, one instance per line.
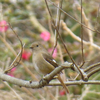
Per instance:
(31,47)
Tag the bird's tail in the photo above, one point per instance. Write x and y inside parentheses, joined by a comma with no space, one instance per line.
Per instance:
(61,81)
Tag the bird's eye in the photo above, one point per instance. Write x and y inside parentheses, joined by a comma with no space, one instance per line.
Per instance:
(37,45)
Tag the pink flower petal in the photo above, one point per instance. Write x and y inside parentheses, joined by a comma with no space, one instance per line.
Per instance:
(14,69)
(54,53)
(3,26)
(62,92)
(45,36)
(26,55)
(11,74)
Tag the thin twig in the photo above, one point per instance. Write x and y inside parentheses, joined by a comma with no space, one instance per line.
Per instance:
(97,15)
(73,17)
(19,56)
(78,38)
(93,72)
(56,35)
(17,95)
(82,37)
(87,23)
(91,66)
(15,62)
(63,41)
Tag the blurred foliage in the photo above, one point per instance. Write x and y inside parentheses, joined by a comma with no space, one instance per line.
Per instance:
(22,15)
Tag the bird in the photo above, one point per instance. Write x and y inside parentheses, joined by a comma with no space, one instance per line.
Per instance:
(44,62)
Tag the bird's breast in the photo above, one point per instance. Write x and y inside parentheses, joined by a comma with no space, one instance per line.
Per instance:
(41,65)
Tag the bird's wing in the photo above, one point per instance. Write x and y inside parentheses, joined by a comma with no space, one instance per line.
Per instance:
(49,59)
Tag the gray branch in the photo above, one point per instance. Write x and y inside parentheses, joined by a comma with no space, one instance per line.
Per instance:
(46,80)
(28,84)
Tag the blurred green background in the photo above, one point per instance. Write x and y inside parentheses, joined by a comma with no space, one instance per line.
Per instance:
(30,20)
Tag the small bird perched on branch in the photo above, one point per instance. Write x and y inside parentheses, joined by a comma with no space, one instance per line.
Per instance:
(43,61)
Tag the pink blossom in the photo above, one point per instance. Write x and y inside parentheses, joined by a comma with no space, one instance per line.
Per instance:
(54,53)
(45,36)
(26,55)
(3,26)
(62,92)
(12,72)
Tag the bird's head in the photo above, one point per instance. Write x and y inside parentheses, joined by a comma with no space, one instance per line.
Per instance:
(35,46)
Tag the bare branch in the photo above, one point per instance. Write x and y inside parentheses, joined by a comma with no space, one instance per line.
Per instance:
(78,38)
(30,84)
(18,58)
(73,17)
